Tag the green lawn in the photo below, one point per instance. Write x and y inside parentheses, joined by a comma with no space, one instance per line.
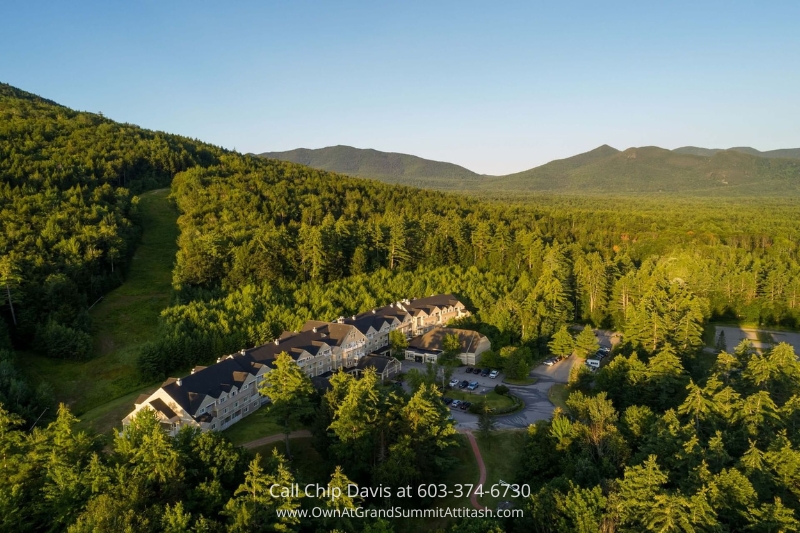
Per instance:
(262,423)
(558,395)
(493,400)
(123,320)
(500,453)
(307,464)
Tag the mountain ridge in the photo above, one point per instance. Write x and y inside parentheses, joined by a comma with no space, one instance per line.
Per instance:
(635,170)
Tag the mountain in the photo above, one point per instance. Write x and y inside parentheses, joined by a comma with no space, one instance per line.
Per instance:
(785,153)
(388,167)
(604,170)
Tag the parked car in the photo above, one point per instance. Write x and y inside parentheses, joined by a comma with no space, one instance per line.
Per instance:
(463,385)
(455,404)
(485,372)
(447,401)
(464,406)
(469,370)
(453,382)
(473,385)
(494,374)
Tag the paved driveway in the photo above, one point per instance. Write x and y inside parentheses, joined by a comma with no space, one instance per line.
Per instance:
(537,406)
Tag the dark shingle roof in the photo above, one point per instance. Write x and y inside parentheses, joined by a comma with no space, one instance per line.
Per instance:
(159,405)
(292,343)
(210,381)
(400,310)
(378,362)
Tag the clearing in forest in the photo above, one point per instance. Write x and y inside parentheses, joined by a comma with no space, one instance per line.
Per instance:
(101,390)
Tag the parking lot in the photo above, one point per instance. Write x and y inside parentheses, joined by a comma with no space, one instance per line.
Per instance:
(537,406)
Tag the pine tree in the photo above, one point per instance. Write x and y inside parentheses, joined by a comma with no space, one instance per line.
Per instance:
(586,343)
(721,345)
(290,390)
(486,422)
(562,343)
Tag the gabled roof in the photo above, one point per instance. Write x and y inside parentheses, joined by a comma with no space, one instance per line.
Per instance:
(335,331)
(190,391)
(400,311)
(159,405)
(433,340)
(378,362)
(293,343)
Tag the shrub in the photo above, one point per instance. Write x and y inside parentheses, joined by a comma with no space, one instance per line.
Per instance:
(501,389)
(63,342)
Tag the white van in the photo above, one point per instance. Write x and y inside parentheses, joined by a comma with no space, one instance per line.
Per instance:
(593,363)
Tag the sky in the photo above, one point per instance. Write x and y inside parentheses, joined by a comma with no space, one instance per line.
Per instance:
(497,87)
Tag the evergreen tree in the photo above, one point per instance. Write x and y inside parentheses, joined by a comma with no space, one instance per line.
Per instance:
(586,343)
(289,389)
(562,343)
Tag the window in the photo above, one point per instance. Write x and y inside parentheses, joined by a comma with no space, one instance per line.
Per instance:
(245,386)
(213,426)
(236,404)
(222,400)
(246,409)
(202,410)
(225,411)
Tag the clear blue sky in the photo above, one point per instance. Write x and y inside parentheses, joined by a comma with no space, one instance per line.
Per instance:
(496,88)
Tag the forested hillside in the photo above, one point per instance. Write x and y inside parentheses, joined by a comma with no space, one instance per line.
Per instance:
(388,167)
(661,439)
(606,171)
(784,153)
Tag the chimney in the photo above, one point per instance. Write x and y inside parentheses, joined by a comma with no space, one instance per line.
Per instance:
(242,351)
(179,382)
(314,329)
(373,311)
(354,317)
(277,342)
(193,371)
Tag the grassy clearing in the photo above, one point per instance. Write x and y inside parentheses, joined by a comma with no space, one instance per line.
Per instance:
(123,320)
(500,453)
(307,464)
(493,400)
(558,395)
(262,423)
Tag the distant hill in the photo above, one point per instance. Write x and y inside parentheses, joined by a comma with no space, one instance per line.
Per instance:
(388,167)
(651,169)
(604,170)
(786,153)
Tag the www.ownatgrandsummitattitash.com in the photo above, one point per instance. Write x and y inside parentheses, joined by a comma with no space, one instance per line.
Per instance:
(398,512)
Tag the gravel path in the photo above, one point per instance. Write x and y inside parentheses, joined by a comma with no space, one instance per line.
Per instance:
(481,467)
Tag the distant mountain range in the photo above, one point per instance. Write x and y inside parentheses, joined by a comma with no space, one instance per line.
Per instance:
(739,171)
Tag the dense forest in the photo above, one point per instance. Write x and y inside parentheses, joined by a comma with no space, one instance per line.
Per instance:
(661,439)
